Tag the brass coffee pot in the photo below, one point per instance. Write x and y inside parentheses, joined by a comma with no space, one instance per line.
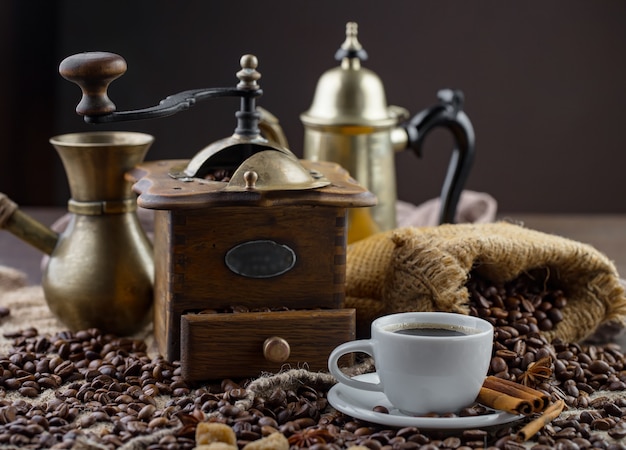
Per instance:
(100,270)
(350,123)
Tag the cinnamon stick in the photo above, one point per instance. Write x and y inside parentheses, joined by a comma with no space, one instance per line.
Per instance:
(533,427)
(538,400)
(504,402)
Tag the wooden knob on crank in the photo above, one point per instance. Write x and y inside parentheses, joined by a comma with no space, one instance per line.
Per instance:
(276,349)
(93,72)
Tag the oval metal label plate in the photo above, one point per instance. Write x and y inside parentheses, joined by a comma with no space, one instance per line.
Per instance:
(260,259)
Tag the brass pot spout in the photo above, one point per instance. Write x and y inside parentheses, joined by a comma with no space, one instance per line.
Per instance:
(25,227)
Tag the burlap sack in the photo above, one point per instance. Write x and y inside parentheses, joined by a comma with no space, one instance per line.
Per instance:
(426,269)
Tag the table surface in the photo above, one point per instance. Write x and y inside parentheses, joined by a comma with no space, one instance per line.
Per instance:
(605,232)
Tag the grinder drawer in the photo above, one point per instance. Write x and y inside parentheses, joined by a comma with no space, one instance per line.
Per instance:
(231,345)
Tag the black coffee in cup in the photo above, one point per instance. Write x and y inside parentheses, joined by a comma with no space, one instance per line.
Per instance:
(435,330)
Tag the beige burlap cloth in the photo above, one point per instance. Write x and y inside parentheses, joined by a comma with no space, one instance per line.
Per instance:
(27,305)
(427,268)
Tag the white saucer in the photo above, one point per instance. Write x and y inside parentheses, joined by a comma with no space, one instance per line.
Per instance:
(359,404)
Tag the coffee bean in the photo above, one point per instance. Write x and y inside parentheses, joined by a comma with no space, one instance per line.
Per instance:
(28,391)
(555,315)
(618,432)
(452,442)
(601,424)
(613,410)
(599,367)
(146,412)
(498,364)
(157,422)
(229,411)
(4,312)
(474,435)
(64,369)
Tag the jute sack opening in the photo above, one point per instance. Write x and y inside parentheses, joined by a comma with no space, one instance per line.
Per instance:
(426,269)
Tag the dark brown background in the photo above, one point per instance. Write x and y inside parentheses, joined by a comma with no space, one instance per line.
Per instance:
(545,84)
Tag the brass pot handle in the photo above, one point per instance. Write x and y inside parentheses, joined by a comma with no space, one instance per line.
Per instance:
(270,128)
(448,114)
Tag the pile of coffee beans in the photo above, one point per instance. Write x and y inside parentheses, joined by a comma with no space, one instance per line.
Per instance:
(219,175)
(93,389)
(242,309)
(520,310)
(84,386)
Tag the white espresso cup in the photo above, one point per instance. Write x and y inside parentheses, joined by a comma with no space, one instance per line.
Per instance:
(427,362)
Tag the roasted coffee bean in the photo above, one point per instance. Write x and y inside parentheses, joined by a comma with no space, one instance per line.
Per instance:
(230,411)
(602,424)
(498,364)
(147,412)
(158,422)
(619,431)
(599,367)
(613,410)
(452,442)
(28,391)
(267,421)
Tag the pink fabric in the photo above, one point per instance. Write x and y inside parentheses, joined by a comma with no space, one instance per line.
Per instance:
(473,207)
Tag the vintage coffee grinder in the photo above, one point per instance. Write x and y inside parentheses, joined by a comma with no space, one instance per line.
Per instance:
(350,123)
(249,241)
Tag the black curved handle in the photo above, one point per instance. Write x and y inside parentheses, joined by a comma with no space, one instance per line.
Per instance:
(171,105)
(447,114)
(93,72)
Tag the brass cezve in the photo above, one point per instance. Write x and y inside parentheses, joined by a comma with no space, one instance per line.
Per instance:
(100,270)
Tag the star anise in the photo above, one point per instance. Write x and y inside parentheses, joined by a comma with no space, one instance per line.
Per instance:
(537,372)
(310,436)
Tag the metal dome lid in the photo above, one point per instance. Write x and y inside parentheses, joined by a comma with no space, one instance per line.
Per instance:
(272,170)
(350,95)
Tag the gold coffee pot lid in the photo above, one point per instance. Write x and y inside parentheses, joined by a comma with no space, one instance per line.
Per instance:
(351,95)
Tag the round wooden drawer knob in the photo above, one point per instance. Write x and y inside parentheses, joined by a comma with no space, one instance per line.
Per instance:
(276,349)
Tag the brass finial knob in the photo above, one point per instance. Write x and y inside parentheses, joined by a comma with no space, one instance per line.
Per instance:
(351,47)
(248,74)
(352,41)
(250,177)
(276,349)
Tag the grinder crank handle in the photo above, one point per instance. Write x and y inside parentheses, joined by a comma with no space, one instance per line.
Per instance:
(447,114)
(94,71)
